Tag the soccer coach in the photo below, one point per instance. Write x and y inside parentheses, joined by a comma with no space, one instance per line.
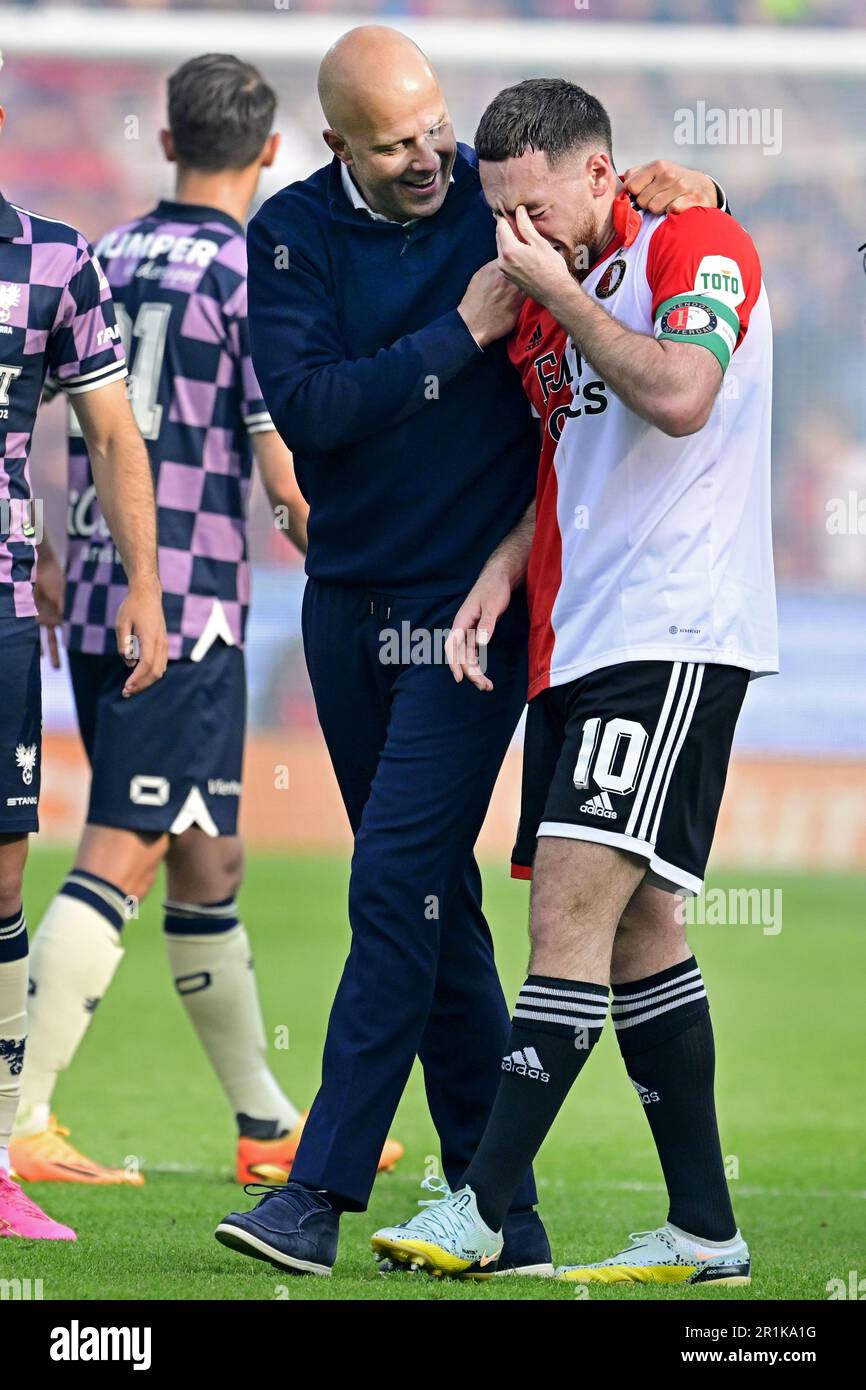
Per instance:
(378,323)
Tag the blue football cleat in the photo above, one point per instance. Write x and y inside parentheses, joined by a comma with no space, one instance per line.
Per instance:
(293,1227)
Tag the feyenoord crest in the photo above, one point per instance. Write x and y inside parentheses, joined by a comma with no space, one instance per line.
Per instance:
(611,279)
(690,317)
(10,295)
(25,758)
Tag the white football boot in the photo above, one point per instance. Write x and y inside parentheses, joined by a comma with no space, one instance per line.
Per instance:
(668,1256)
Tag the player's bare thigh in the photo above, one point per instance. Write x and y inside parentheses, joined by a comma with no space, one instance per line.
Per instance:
(650,937)
(200,868)
(129,859)
(13,857)
(580,890)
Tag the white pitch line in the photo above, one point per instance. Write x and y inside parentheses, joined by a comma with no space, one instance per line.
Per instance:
(739,1189)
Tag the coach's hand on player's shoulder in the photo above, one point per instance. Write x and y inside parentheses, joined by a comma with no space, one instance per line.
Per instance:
(663,186)
(472,629)
(528,260)
(141,636)
(490,306)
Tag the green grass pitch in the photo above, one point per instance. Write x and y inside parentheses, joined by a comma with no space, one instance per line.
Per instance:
(788,1031)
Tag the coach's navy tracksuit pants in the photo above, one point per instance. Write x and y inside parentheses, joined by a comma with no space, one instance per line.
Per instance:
(416,757)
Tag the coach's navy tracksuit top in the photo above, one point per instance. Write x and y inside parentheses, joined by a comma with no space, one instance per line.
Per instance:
(416,450)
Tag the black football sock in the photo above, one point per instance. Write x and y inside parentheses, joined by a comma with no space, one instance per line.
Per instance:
(555,1026)
(666,1039)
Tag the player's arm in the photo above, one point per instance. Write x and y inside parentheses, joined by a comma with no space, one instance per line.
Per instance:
(124,489)
(49,584)
(661,378)
(662,186)
(277,471)
(273,458)
(85,359)
(320,399)
(486,601)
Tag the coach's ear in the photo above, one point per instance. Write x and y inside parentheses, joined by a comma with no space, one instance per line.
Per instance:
(166,139)
(337,145)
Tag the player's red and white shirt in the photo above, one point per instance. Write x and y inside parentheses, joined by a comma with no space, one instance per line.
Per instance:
(649,548)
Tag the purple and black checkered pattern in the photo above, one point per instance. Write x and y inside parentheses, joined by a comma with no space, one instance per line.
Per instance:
(178,277)
(56,317)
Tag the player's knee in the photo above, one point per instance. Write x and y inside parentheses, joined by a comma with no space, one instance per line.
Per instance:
(649,928)
(10,891)
(232,869)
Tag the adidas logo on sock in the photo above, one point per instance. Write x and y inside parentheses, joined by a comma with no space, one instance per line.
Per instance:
(526,1063)
(647,1097)
(600,806)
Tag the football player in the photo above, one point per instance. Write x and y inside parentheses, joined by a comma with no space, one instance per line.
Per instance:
(652,605)
(57,317)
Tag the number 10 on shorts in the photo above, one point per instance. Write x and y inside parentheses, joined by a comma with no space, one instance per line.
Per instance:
(623,744)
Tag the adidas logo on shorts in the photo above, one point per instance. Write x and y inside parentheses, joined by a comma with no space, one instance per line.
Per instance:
(599,806)
(526,1063)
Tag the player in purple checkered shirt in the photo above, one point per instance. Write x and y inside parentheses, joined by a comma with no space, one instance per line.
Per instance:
(167,775)
(56,316)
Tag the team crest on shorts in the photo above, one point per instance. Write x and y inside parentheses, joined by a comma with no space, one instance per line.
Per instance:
(25,758)
(611,279)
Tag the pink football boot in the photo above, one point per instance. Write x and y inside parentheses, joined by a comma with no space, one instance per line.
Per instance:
(19,1216)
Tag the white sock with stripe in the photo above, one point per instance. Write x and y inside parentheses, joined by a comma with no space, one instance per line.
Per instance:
(211,961)
(75,953)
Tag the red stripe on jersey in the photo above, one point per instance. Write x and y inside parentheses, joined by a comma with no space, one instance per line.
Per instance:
(537,349)
(544,575)
(521,871)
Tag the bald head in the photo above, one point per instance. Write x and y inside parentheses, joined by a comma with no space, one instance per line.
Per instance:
(370,71)
(388,121)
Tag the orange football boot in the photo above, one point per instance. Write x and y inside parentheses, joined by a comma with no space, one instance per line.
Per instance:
(49,1157)
(270,1160)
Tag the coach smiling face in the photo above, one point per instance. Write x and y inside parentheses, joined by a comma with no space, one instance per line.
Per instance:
(395,137)
(378,322)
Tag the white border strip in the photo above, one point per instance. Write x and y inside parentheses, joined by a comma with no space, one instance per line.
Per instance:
(573,45)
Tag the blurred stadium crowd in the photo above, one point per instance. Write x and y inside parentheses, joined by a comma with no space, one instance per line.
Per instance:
(844,12)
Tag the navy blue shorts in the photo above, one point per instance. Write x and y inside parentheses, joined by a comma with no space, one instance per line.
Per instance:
(171,756)
(20,726)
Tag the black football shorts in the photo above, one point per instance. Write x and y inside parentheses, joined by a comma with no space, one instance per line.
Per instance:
(634,756)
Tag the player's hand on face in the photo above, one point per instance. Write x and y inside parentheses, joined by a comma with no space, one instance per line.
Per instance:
(666,187)
(490,306)
(49,585)
(472,629)
(528,260)
(142,640)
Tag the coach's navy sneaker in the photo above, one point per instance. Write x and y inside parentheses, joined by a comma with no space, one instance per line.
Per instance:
(293,1227)
(526,1249)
